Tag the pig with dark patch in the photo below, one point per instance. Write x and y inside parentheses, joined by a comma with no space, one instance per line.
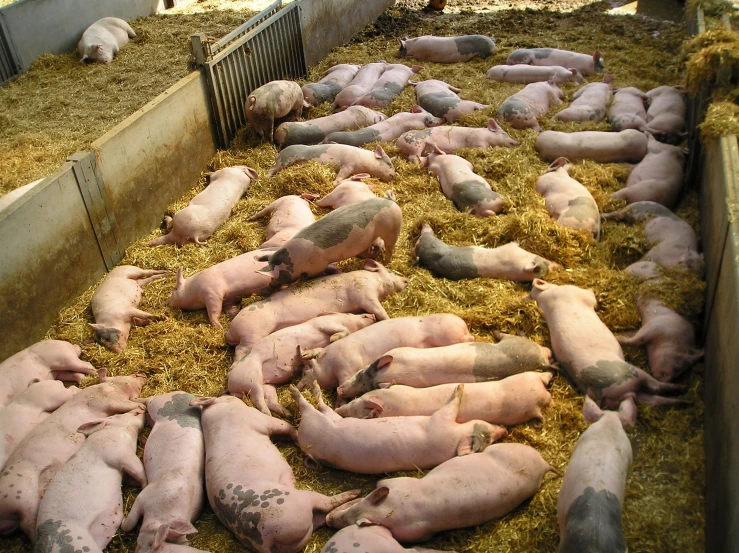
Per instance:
(371,538)
(567,201)
(440,99)
(666,114)
(316,130)
(589,352)
(346,160)
(584,63)
(250,486)
(627,109)
(468,191)
(288,216)
(388,130)
(334,81)
(525,74)
(276,358)
(458,362)
(349,191)
(209,209)
(361,84)
(644,270)
(594,485)
(174,459)
(352,292)
(367,229)
(336,364)
(522,109)
(590,102)
(389,86)
(375,446)
(605,147)
(464,491)
(449,49)
(460,262)
(102,40)
(272,101)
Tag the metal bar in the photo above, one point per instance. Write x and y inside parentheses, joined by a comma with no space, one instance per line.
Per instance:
(245,28)
(229,88)
(11,66)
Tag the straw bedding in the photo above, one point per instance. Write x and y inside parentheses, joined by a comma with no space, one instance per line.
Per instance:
(663,510)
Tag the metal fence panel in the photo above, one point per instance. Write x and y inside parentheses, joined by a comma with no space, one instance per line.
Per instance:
(10,66)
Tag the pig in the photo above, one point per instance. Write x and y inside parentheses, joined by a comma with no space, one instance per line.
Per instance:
(209,209)
(174,459)
(102,40)
(468,191)
(666,114)
(644,270)
(367,229)
(316,130)
(584,63)
(657,178)
(274,100)
(83,504)
(448,49)
(593,488)
(460,262)
(389,86)
(458,362)
(115,305)
(346,160)
(288,216)
(372,538)
(336,364)
(347,192)
(159,545)
(276,358)
(567,201)
(440,99)
(464,491)
(627,109)
(27,410)
(250,486)
(352,292)
(361,84)
(450,139)
(590,353)
(522,109)
(590,102)
(525,74)
(605,147)
(374,446)
(333,82)
(510,401)
(47,447)
(388,130)
(44,360)
(669,338)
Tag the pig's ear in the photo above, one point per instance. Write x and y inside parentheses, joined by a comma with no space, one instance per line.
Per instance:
(159,538)
(532,267)
(493,126)
(591,411)
(596,56)
(417,109)
(416,68)
(266,269)
(371,265)
(557,163)
(178,529)
(608,78)
(378,495)
(392,159)
(376,408)
(574,72)
(365,522)
(627,412)
(379,152)
(103,374)
(251,173)
(360,176)
(92,427)
(203,401)
(384,360)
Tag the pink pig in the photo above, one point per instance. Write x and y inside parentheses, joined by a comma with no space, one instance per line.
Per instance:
(334,81)
(605,147)
(590,102)
(361,84)
(440,99)
(288,216)
(372,538)
(389,85)
(586,64)
(525,74)
(447,49)
(315,130)
(347,192)
(274,100)
(627,109)
(159,545)
(666,114)
(522,109)
(388,130)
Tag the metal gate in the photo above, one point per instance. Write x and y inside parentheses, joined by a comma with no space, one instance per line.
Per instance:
(10,67)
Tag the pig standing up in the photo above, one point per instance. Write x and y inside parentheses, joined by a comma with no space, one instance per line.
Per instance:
(464,491)
(338,362)
(668,337)
(448,49)
(44,360)
(274,100)
(367,229)
(567,201)
(374,446)
(627,110)
(666,114)
(47,447)
(288,216)
(590,102)
(440,99)
(605,147)
(389,130)
(361,84)
(352,292)
(347,192)
(460,262)
(657,178)
(83,504)
(174,459)
(346,160)
(275,359)
(592,493)
(334,81)
(590,353)
(522,109)
(102,40)
(208,210)
(586,64)
(513,400)
(525,74)
(468,191)
(458,362)
(251,488)
(372,538)
(115,305)
(316,130)
(389,85)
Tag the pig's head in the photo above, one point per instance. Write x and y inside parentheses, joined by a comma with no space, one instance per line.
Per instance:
(502,138)
(539,286)
(384,166)
(559,163)
(132,420)
(248,171)
(365,407)
(129,386)
(598,62)
(363,380)
(180,297)
(97,53)
(388,282)
(693,262)
(403,52)
(576,76)
(365,511)
(154,539)
(429,120)
(112,338)
(626,414)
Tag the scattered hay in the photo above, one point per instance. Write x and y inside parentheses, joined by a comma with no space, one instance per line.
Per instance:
(714,63)
(711,8)
(721,119)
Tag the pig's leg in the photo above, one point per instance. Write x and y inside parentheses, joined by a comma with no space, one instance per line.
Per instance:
(303,404)
(322,504)
(374,307)
(144,276)
(655,386)
(214,305)
(273,404)
(644,335)
(119,406)
(376,249)
(345,172)
(659,401)
(137,512)
(132,466)
(142,318)
(276,427)
(164,239)
(322,407)
(68,376)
